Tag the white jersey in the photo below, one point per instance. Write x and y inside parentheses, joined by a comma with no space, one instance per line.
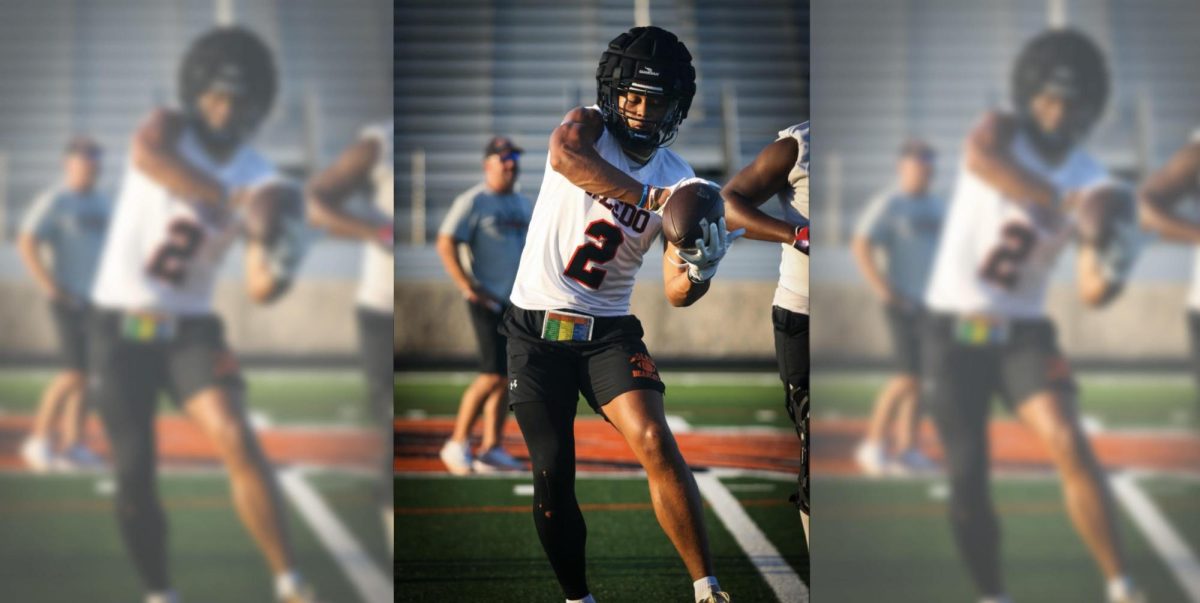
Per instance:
(1194,295)
(996,255)
(375,286)
(162,253)
(792,292)
(583,250)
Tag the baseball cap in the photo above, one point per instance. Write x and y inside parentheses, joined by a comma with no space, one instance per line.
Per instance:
(917,149)
(500,145)
(83,145)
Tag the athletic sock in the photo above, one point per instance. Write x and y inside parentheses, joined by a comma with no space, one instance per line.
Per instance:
(705,587)
(1120,588)
(587,599)
(163,597)
(287,584)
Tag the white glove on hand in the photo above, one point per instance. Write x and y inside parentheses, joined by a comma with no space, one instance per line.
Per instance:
(702,261)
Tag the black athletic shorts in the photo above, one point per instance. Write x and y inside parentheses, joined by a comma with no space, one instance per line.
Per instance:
(376,336)
(614,362)
(70,323)
(905,327)
(493,347)
(960,368)
(1194,330)
(129,365)
(791,346)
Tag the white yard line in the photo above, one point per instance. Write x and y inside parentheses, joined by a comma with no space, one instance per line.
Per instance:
(1174,550)
(366,578)
(780,576)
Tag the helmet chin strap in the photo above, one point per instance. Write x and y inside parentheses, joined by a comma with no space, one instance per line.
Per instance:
(1052,146)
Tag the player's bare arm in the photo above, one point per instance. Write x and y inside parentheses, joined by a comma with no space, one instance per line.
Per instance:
(1164,189)
(261,284)
(1095,289)
(153,152)
(987,156)
(329,190)
(753,185)
(28,244)
(681,291)
(573,154)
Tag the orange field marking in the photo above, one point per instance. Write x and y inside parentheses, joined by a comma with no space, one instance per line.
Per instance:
(181,443)
(489,509)
(600,447)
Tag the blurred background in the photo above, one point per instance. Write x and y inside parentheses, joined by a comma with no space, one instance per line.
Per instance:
(887,72)
(74,67)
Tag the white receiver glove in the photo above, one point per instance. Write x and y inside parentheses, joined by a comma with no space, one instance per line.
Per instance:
(702,261)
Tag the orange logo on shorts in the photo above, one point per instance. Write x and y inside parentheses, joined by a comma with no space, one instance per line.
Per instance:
(226,364)
(643,366)
(1058,369)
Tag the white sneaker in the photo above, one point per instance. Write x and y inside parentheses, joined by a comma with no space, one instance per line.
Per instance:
(1122,590)
(871,458)
(167,597)
(38,454)
(457,457)
(78,458)
(912,462)
(495,461)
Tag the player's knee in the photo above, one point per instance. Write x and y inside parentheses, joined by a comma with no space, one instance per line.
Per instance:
(1067,443)
(655,442)
(234,440)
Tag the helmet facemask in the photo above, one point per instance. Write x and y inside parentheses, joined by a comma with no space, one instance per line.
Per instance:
(649,65)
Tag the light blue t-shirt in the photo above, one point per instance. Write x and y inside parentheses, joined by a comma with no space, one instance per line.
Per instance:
(907,230)
(73,225)
(493,227)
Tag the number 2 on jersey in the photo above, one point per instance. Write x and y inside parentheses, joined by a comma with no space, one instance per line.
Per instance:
(607,238)
(169,263)
(1002,264)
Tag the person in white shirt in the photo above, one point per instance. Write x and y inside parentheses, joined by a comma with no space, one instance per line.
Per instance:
(1159,200)
(367,164)
(782,169)
(569,328)
(192,186)
(1014,209)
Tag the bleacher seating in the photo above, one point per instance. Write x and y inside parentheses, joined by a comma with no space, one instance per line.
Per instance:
(482,67)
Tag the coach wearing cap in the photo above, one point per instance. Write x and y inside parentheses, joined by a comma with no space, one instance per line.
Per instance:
(489,220)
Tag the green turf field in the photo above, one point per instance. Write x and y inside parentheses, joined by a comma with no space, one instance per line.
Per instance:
(59,541)
(1134,400)
(896,531)
(315,397)
(473,540)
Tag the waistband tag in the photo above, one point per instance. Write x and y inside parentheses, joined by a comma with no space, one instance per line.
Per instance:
(566,326)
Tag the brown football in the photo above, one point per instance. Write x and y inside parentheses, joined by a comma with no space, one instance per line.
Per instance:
(685,208)
(1102,209)
(267,208)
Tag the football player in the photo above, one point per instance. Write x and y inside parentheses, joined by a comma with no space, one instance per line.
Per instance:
(1014,208)
(569,329)
(181,203)
(1159,198)
(782,169)
(367,164)
(71,220)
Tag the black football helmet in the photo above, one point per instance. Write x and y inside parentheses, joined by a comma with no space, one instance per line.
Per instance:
(653,62)
(1066,62)
(234,60)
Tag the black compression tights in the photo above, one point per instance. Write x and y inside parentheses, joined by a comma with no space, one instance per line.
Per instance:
(549,431)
